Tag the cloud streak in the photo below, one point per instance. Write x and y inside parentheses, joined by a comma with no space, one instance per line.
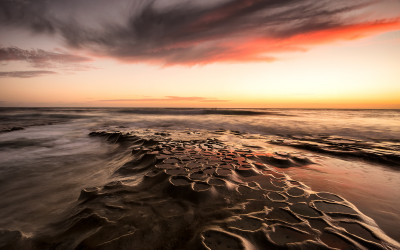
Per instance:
(187,32)
(26,74)
(168,99)
(39,58)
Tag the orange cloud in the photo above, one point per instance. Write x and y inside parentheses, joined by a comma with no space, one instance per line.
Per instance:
(261,49)
(347,32)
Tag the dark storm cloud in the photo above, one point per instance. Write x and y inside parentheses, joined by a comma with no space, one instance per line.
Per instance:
(180,32)
(39,58)
(29,13)
(26,74)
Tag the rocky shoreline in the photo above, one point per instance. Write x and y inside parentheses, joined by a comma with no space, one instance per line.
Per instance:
(201,194)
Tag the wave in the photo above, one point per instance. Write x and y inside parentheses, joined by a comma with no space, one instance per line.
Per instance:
(176,111)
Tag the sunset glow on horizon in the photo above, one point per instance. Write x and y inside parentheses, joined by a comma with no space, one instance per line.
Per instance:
(217,54)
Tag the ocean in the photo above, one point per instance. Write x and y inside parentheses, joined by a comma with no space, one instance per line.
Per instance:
(47,156)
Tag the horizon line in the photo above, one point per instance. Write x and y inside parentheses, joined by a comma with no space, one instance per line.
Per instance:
(124,107)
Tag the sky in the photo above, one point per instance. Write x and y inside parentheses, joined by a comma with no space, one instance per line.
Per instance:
(200,53)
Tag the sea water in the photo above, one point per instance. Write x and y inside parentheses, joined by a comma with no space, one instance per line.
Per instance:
(47,157)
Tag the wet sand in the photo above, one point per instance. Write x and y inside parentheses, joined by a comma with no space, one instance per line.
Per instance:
(199,193)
